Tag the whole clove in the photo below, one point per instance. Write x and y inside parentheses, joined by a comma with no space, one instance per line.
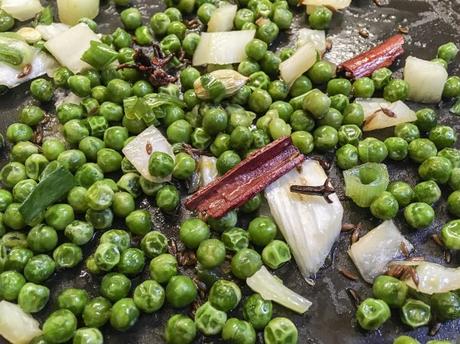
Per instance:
(324,190)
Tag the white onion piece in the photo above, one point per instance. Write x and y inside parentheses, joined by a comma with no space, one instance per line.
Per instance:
(16,326)
(434,278)
(29,34)
(334,4)
(50,31)
(309,224)
(271,288)
(136,152)
(426,80)
(41,64)
(222,18)
(222,48)
(375,117)
(372,253)
(208,169)
(62,98)
(315,37)
(21,9)
(69,46)
(71,11)
(299,63)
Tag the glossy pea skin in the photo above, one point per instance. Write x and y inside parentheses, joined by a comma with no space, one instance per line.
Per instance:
(139,222)
(426,119)
(427,192)
(154,243)
(209,320)
(395,90)
(452,87)
(167,198)
(97,312)
(160,164)
(6,198)
(385,206)
(124,314)
(18,132)
(235,239)
(193,231)
(321,72)
(131,18)
(18,258)
(447,52)
(419,215)
(39,268)
(276,254)
(42,90)
(88,336)
(11,283)
(180,291)
(349,134)
(257,311)
(12,173)
(60,326)
(256,49)
(149,296)
(262,230)
(280,330)
(453,203)
(42,238)
(107,256)
(226,161)
(363,88)
(372,313)
(339,102)
(115,286)
(436,168)
(67,255)
(325,137)
(402,191)
(123,204)
(397,148)
(211,253)
(347,156)
(163,267)
(180,329)
(100,219)
(353,114)
(450,234)
(245,263)
(443,136)
(446,306)
(421,149)
(132,261)
(372,150)
(339,86)
(452,154)
(320,18)
(238,331)
(303,140)
(224,295)
(381,77)
(454,180)
(415,313)
(6,21)
(12,217)
(75,300)
(391,290)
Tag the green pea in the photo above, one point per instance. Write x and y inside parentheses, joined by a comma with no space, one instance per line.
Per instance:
(426,119)
(6,198)
(283,18)
(153,244)
(11,284)
(276,254)
(226,161)
(321,72)
(260,138)
(159,23)
(257,311)
(139,222)
(6,21)
(167,198)
(149,296)
(454,180)
(11,240)
(381,77)
(243,16)
(21,151)
(405,340)
(372,313)
(30,115)
(436,168)
(60,326)
(97,312)
(261,8)
(446,305)
(316,103)
(180,291)
(363,88)
(35,165)
(42,238)
(391,290)
(268,31)
(211,253)
(88,335)
(163,267)
(23,189)
(280,330)
(67,255)
(372,150)
(452,154)
(397,148)
(421,149)
(320,18)
(347,156)
(447,52)
(193,231)
(13,218)
(180,329)
(427,192)
(42,90)
(18,258)
(453,203)
(190,43)
(452,87)
(252,204)
(325,137)
(131,18)
(124,314)
(107,256)
(262,230)
(110,111)
(227,221)
(419,215)
(415,313)
(443,136)
(80,85)
(395,90)
(224,295)
(245,263)
(303,140)
(339,102)
(132,261)
(94,78)
(450,234)
(209,320)
(75,300)
(115,286)
(235,239)
(339,86)
(100,219)
(109,160)
(90,146)
(402,191)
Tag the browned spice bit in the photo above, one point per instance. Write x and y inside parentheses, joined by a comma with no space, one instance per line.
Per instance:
(413,275)
(192,23)
(172,247)
(404,249)
(437,239)
(347,227)
(26,70)
(329,44)
(148,148)
(356,234)
(403,29)
(186,258)
(387,112)
(447,256)
(326,165)
(155,68)
(378,2)
(354,296)
(363,32)
(417,259)
(324,190)
(434,329)
(195,305)
(348,274)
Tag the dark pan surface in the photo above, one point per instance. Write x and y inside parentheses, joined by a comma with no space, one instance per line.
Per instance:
(331,318)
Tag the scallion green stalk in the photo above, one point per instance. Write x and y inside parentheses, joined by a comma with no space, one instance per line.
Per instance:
(99,55)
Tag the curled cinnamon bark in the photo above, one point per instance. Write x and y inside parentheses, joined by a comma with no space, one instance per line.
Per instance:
(382,55)
(245,180)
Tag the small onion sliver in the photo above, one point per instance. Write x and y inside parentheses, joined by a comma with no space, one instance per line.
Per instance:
(315,37)
(333,4)
(17,326)
(208,169)
(222,18)
(434,278)
(271,288)
(426,80)
(71,11)
(299,63)
(222,48)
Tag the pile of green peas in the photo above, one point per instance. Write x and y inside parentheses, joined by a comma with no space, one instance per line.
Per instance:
(318,113)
